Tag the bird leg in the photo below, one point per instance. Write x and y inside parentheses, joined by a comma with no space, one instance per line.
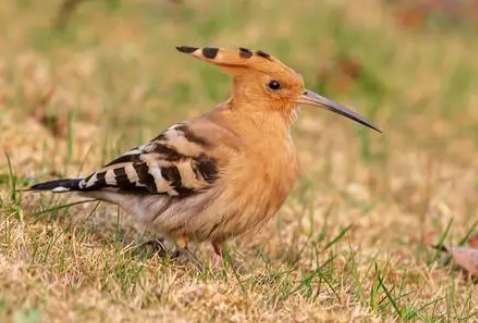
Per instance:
(183,249)
(182,242)
(218,256)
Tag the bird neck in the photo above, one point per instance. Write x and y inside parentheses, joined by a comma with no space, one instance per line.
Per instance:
(263,114)
(256,122)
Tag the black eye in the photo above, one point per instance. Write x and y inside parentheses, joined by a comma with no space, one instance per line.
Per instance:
(274,85)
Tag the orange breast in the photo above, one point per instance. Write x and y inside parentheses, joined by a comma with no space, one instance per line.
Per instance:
(257,182)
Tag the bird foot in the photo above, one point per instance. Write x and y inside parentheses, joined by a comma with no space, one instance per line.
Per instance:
(191,257)
(217,261)
(160,247)
(220,260)
(157,245)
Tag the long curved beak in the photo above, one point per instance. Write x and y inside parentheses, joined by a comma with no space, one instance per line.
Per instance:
(312,98)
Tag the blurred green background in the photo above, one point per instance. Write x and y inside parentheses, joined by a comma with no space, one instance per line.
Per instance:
(410,65)
(83,80)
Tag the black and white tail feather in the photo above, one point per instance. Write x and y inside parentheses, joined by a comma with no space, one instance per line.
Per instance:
(58,185)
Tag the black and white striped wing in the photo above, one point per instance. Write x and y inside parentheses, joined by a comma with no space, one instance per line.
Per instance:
(174,163)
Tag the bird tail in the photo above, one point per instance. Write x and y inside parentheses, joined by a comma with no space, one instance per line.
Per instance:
(58,185)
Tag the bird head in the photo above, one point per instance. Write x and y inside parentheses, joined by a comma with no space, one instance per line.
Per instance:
(262,81)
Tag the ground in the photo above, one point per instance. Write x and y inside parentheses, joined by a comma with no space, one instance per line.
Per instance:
(352,242)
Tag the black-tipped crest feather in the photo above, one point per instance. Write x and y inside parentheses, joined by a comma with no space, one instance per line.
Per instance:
(186,49)
(245,53)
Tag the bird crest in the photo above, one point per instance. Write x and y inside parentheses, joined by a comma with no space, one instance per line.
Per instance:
(237,60)
(261,81)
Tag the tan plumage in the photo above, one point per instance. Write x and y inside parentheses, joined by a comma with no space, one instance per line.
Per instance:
(220,174)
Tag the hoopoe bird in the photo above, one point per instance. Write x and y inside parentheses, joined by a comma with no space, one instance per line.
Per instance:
(220,174)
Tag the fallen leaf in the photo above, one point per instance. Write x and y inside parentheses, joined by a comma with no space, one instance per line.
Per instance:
(473,241)
(465,257)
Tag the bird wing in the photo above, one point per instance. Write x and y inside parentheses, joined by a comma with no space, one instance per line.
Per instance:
(176,163)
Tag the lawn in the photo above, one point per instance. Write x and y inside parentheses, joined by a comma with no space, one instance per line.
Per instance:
(352,242)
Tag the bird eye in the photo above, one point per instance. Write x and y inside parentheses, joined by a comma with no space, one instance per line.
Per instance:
(274,85)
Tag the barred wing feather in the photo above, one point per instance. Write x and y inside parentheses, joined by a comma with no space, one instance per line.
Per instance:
(174,163)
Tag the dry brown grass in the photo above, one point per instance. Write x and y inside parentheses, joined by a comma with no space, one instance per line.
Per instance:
(351,243)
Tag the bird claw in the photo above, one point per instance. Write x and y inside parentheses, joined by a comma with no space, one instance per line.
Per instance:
(192,257)
(159,248)
(157,245)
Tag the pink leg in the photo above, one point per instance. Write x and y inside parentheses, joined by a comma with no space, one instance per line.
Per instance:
(218,256)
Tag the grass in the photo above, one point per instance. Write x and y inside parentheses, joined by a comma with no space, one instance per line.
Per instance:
(352,243)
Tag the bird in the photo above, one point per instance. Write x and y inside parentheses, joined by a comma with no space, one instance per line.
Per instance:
(221,174)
